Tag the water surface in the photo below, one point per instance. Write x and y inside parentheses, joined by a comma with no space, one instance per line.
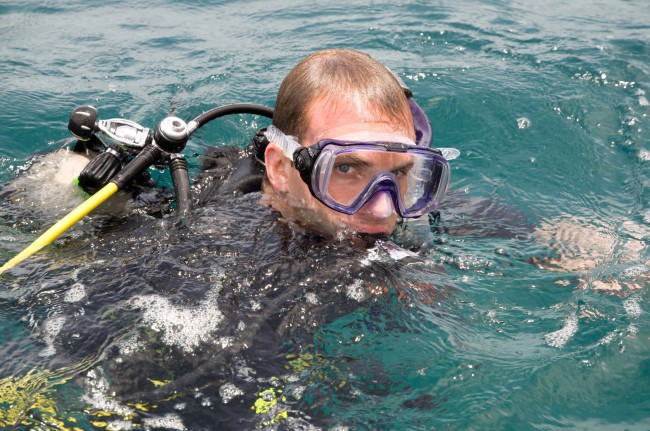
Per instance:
(524,308)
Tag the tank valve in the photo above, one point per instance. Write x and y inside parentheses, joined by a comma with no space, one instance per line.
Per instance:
(82,122)
(171,135)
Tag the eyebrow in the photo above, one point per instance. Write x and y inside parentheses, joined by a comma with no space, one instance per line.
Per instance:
(406,166)
(354,158)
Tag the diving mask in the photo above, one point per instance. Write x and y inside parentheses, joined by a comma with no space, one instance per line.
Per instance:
(345,173)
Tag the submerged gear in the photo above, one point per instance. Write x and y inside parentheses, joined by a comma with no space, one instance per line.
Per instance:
(163,147)
(346,173)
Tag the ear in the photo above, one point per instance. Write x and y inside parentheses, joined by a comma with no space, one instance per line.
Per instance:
(277,168)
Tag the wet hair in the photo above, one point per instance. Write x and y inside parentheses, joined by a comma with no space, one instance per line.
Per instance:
(341,76)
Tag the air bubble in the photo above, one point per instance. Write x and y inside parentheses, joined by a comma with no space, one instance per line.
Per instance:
(632,307)
(523,123)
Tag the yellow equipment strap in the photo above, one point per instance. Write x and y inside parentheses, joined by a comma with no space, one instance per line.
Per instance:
(62,225)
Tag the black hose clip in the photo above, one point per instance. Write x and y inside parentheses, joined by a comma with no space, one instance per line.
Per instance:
(259,144)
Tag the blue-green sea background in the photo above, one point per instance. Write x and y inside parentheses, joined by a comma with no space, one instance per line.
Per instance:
(548,104)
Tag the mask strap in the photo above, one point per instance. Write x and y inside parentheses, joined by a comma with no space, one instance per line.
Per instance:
(422,125)
(423,132)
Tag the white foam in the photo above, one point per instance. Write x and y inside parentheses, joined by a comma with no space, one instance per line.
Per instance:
(119,425)
(636,270)
(169,421)
(373,256)
(51,328)
(400,253)
(76,293)
(311,298)
(607,338)
(378,253)
(355,290)
(130,345)
(298,391)
(560,337)
(96,395)
(644,155)
(632,307)
(228,391)
(184,327)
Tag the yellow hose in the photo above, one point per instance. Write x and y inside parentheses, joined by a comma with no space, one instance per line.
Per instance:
(62,225)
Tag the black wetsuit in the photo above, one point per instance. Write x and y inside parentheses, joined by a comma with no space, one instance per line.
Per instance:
(260,290)
(229,299)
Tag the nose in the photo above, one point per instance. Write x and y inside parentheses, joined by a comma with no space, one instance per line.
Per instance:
(379,206)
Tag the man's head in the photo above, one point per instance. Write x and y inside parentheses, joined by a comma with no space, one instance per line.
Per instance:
(330,94)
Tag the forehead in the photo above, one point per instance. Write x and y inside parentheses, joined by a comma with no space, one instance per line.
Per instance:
(328,118)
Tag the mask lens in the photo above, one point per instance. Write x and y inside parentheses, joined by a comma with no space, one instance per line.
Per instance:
(427,184)
(347,176)
(352,171)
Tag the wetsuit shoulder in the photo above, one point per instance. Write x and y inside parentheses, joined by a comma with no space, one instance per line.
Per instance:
(464,215)
(228,170)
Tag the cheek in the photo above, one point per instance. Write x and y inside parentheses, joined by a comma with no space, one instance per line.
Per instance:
(300,190)
(299,193)
(297,186)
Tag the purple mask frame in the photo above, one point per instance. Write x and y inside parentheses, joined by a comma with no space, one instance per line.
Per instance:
(383,181)
(423,131)
(421,123)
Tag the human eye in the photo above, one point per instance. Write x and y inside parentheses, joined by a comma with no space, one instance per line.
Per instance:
(344,168)
(349,165)
(402,170)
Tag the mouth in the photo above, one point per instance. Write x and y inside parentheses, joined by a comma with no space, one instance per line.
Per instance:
(363,237)
(372,230)
(328,223)
(383,227)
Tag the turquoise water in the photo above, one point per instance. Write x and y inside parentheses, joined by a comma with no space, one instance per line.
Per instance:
(526,310)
